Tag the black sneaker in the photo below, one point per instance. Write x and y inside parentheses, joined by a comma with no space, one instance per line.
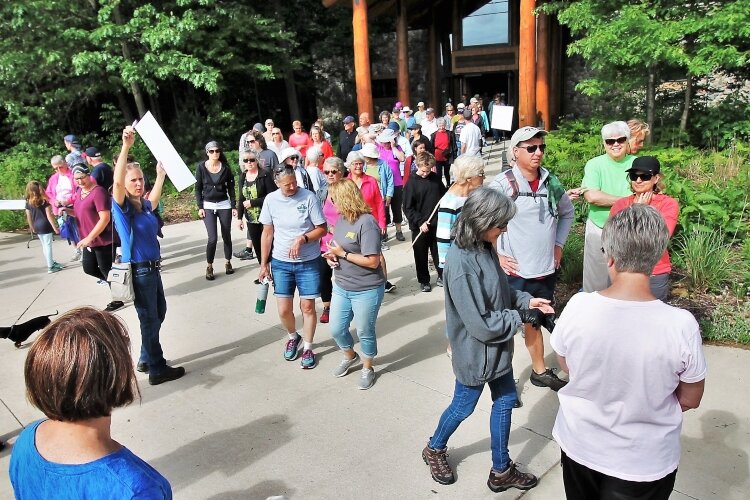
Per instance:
(244,254)
(142,367)
(511,478)
(389,287)
(439,282)
(547,379)
(114,306)
(170,373)
(426,287)
(400,236)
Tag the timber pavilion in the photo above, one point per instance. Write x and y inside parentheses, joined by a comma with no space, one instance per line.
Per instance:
(473,47)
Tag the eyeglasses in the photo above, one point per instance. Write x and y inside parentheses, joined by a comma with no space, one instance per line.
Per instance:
(249,160)
(281,168)
(330,172)
(80,178)
(532,149)
(251,140)
(482,175)
(213,151)
(643,176)
(619,140)
(274,133)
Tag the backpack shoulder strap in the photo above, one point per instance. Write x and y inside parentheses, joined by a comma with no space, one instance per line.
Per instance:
(513,183)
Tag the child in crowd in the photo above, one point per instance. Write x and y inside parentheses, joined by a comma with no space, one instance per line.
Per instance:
(42,222)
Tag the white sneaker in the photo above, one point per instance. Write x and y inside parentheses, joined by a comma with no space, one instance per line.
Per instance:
(343,367)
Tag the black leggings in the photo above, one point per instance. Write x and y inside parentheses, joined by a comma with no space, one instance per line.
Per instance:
(254,232)
(427,243)
(396,202)
(225,219)
(326,280)
(444,168)
(97,261)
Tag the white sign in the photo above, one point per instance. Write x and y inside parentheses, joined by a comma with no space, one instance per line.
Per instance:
(12,204)
(502,117)
(163,150)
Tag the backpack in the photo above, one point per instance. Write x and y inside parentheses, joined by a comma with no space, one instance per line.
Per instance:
(555,192)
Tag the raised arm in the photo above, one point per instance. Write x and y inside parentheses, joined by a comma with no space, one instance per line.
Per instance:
(155,194)
(119,192)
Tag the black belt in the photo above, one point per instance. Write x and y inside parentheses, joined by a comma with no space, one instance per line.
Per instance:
(146,264)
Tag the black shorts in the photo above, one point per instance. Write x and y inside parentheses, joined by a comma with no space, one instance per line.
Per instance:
(543,288)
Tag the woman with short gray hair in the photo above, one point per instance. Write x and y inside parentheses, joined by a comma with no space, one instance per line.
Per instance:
(604,182)
(482,314)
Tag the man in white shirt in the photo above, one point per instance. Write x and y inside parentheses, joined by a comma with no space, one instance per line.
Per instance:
(420,114)
(471,137)
(635,365)
(429,124)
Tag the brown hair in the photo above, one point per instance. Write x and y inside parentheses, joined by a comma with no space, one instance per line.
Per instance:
(260,138)
(35,195)
(425,158)
(348,200)
(80,367)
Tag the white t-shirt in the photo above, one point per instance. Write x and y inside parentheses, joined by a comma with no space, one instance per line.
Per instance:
(619,414)
(429,127)
(471,136)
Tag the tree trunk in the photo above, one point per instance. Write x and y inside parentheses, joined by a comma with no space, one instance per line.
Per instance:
(125,108)
(135,89)
(686,108)
(651,101)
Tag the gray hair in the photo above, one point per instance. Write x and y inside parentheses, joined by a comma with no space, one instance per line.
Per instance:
(635,239)
(212,144)
(246,152)
(314,153)
(283,170)
(486,208)
(440,121)
(354,156)
(615,129)
(466,167)
(335,162)
(57,160)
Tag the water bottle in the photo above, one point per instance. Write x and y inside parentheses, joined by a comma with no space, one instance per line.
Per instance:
(260,302)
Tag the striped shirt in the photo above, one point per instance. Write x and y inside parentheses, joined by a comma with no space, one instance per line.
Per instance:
(450,207)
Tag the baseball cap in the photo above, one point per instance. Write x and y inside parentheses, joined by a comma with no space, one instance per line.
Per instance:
(646,164)
(524,134)
(92,152)
(348,119)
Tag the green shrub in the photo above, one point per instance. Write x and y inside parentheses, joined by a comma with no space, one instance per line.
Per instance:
(19,165)
(706,259)
(571,267)
(729,322)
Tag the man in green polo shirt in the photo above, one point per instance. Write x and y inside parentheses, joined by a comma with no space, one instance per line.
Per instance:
(605,181)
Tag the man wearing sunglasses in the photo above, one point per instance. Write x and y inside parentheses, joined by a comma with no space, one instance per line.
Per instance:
(605,181)
(530,250)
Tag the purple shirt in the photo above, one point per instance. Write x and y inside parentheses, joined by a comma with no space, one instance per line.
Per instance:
(390,159)
(87,214)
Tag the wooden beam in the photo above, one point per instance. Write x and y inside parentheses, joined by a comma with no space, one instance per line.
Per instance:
(555,73)
(432,60)
(402,52)
(527,65)
(543,70)
(362,57)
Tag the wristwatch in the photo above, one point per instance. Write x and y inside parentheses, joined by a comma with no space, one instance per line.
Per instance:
(346,255)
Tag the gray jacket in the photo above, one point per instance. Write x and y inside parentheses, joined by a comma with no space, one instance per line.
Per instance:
(479,314)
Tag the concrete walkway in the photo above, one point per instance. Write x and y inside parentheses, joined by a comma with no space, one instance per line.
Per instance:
(245,424)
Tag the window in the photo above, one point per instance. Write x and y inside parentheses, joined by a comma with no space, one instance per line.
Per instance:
(488,25)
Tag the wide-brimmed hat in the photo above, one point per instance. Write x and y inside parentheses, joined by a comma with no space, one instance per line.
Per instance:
(370,150)
(406,109)
(288,153)
(386,135)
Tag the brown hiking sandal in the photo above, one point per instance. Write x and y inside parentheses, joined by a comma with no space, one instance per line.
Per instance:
(439,468)
(511,478)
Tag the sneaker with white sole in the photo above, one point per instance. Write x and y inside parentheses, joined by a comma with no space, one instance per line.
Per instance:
(367,379)
(343,367)
(291,348)
(389,287)
(308,360)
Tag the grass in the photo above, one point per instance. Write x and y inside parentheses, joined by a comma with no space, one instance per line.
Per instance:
(706,259)
(728,323)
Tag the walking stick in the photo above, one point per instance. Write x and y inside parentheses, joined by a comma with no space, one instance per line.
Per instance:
(428,220)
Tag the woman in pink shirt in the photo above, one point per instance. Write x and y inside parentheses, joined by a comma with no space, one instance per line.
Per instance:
(299,139)
(316,136)
(647,186)
(333,169)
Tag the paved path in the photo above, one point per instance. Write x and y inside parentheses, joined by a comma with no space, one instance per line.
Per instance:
(245,424)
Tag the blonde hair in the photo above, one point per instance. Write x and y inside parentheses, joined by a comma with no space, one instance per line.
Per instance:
(35,195)
(348,200)
(425,159)
(638,127)
(465,167)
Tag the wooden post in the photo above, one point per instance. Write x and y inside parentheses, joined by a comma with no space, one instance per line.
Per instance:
(362,57)
(402,52)
(542,69)
(527,65)
(556,85)
(432,59)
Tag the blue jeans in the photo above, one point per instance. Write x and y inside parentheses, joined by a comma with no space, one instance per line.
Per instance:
(465,397)
(304,275)
(152,309)
(363,307)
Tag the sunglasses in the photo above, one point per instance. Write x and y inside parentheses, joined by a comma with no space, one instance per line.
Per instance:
(251,140)
(619,140)
(532,149)
(330,172)
(212,151)
(249,160)
(635,175)
(281,168)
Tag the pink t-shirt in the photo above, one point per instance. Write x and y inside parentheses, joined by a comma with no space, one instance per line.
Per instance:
(332,217)
(669,209)
(390,159)
(619,414)
(301,139)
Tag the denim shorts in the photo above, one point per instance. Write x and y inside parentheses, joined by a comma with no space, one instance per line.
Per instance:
(304,275)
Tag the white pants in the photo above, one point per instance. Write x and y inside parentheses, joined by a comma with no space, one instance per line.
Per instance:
(46,240)
(595,276)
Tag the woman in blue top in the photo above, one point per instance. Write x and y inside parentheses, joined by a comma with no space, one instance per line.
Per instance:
(77,372)
(137,226)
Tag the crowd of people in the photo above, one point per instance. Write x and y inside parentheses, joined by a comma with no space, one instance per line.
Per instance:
(318,225)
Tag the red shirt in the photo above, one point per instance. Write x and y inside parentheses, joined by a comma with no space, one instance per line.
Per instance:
(371,194)
(301,139)
(442,142)
(668,208)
